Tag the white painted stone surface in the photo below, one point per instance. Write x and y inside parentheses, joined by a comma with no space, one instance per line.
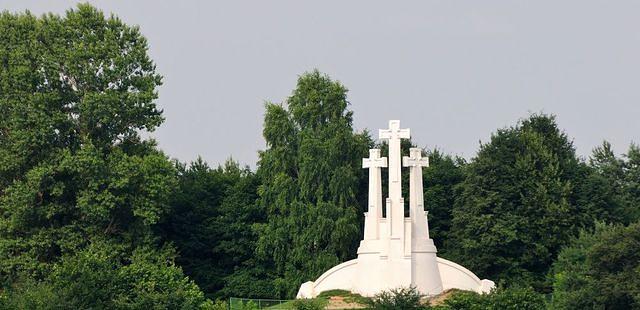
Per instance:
(396,251)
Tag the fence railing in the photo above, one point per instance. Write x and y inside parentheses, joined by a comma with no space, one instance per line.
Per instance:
(255,303)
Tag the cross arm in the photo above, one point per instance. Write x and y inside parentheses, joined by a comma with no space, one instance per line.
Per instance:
(415,162)
(380,162)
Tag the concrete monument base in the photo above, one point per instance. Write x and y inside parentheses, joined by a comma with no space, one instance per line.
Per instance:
(344,277)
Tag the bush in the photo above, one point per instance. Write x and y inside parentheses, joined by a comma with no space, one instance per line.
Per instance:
(309,304)
(331,293)
(101,277)
(516,299)
(348,296)
(399,298)
(217,305)
(465,300)
(29,294)
(600,270)
(501,299)
(249,305)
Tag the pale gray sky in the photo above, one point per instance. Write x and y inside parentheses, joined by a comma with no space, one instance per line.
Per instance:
(452,71)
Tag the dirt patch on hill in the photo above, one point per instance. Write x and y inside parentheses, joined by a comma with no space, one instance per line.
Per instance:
(340,302)
(440,298)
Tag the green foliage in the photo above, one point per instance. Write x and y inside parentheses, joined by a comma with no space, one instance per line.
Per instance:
(217,305)
(311,173)
(80,192)
(632,182)
(68,80)
(602,189)
(610,187)
(210,223)
(440,182)
(464,300)
(309,304)
(599,270)
(516,299)
(249,305)
(348,296)
(501,299)
(74,93)
(517,204)
(337,292)
(28,293)
(399,298)
(570,278)
(103,276)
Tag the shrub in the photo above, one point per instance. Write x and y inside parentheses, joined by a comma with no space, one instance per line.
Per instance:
(465,300)
(399,298)
(217,305)
(249,305)
(501,299)
(348,296)
(101,277)
(330,293)
(309,304)
(516,299)
(600,269)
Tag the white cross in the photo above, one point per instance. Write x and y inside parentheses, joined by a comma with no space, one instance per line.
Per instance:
(394,132)
(374,160)
(415,159)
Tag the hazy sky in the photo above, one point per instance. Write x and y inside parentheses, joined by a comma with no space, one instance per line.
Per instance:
(452,71)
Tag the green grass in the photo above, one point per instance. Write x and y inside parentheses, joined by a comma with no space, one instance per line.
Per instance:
(348,296)
(316,303)
(251,304)
(286,305)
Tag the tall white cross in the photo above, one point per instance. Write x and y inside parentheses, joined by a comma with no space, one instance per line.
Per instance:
(395,203)
(416,194)
(415,159)
(374,163)
(374,160)
(394,134)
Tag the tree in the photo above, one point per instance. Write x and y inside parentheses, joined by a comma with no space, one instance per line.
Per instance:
(310,171)
(398,298)
(441,180)
(608,186)
(599,269)
(632,183)
(514,298)
(191,222)
(240,212)
(601,190)
(517,204)
(210,223)
(105,276)
(74,93)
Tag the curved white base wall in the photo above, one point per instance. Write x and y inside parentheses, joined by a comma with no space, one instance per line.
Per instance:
(343,276)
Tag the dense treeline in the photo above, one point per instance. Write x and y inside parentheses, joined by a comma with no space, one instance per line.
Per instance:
(94,216)
(80,191)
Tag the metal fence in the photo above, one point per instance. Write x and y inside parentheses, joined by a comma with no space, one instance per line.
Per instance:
(252,304)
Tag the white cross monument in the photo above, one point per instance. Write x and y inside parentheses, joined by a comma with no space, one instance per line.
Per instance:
(374,214)
(395,202)
(395,251)
(416,196)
